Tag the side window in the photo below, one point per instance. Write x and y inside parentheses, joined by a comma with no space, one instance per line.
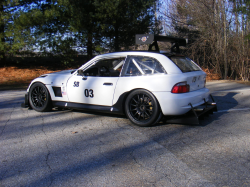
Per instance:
(106,68)
(141,65)
(92,71)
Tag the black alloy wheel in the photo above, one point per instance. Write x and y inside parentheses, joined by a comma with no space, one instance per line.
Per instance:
(142,108)
(39,98)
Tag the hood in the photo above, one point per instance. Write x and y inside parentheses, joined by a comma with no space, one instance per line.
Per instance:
(64,72)
(55,79)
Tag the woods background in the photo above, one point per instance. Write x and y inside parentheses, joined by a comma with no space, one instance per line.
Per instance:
(217,30)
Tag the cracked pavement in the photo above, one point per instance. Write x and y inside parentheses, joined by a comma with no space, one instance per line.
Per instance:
(74,148)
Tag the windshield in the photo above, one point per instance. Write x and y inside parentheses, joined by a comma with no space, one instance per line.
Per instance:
(185,64)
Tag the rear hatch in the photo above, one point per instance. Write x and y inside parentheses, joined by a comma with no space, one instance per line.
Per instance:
(196,78)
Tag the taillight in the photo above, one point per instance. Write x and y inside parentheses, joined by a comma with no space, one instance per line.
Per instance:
(181,87)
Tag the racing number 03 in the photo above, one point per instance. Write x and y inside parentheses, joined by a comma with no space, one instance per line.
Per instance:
(89,93)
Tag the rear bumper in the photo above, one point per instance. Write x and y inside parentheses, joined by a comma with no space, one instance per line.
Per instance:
(179,104)
(195,114)
(26,104)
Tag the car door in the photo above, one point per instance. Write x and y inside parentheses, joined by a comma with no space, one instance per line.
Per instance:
(96,85)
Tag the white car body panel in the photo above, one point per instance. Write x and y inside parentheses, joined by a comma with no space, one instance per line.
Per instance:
(101,94)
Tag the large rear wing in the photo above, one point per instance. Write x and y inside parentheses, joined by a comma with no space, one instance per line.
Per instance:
(153,39)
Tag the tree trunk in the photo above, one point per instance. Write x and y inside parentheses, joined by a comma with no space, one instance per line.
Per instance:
(225,39)
(89,46)
(117,47)
(2,35)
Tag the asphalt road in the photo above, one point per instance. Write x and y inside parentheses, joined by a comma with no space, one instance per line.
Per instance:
(72,148)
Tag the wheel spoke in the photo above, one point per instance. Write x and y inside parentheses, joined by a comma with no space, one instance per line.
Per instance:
(143,115)
(135,101)
(141,100)
(39,103)
(139,116)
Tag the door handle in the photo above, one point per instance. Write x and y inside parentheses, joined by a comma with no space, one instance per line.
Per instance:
(108,84)
(84,78)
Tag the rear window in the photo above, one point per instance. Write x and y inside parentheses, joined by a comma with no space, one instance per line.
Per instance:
(185,64)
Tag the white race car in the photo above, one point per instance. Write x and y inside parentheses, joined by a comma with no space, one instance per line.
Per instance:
(142,85)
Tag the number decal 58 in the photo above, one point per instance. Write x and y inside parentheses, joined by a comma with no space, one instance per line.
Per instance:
(89,93)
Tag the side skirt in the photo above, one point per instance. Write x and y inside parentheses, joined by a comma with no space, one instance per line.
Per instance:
(88,107)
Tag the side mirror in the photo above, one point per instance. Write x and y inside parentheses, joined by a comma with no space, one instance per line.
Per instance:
(80,72)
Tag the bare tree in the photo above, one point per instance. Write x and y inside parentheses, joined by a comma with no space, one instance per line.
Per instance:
(216,31)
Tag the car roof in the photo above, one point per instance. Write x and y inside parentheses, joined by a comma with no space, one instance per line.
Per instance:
(123,54)
(168,54)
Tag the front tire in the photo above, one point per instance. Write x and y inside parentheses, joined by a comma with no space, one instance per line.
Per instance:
(39,97)
(142,108)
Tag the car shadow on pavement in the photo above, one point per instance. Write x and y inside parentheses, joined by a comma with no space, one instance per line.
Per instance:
(100,113)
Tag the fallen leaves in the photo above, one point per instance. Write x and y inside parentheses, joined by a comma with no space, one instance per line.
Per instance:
(211,75)
(14,75)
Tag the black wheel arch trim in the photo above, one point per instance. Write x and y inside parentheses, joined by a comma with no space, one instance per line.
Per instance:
(120,104)
(26,103)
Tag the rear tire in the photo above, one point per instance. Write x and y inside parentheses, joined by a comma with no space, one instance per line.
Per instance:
(39,98)
(142,108)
